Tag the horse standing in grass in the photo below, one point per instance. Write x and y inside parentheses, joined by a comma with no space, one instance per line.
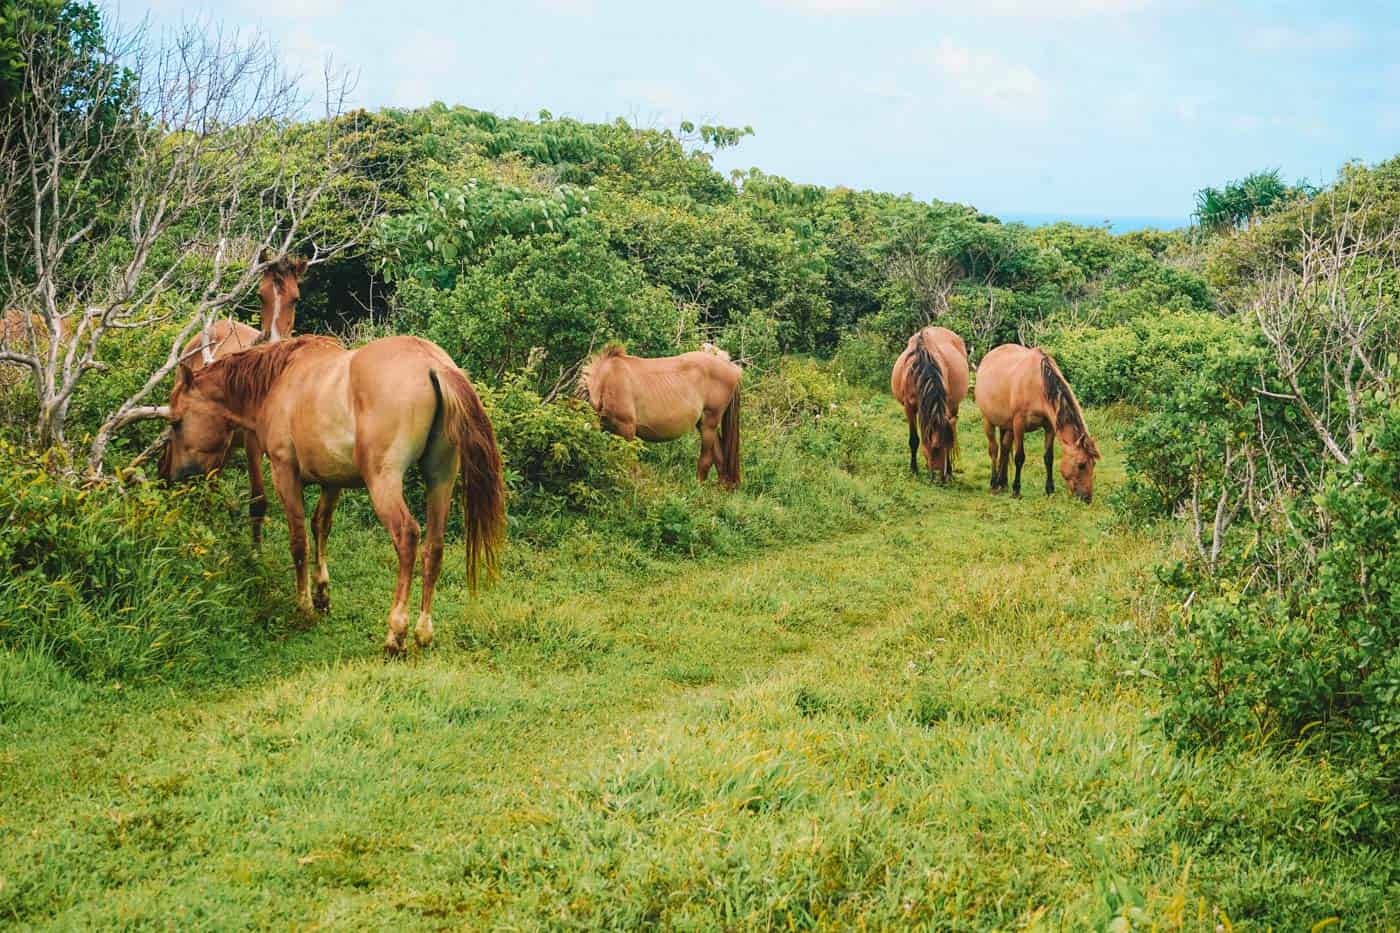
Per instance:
(279,291)
(1019,390)
(343,418)
(663,399)
(930,381)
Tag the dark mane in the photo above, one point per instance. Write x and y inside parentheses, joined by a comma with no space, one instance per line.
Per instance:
(1061,398)
(932,393)
(248,375)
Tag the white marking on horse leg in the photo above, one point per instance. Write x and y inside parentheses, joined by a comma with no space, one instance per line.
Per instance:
(423,631)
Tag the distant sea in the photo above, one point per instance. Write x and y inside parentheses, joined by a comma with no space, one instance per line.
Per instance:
(1122,223)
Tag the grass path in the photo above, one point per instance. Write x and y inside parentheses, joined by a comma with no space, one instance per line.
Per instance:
(930,720)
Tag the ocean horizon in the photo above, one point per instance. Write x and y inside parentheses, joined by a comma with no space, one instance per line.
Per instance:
(1118,223)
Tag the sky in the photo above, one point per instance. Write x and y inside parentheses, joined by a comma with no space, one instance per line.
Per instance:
(1088,108)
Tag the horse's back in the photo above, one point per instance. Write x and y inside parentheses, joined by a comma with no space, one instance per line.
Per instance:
(1007,382)
(665,396)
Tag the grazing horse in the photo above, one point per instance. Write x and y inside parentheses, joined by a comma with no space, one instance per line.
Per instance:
(930,381)
(279,292)
(662,399)
(1020,390)
(342,418)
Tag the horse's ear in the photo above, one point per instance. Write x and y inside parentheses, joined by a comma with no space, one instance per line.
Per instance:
(265,255)
(299,267)
(185,378)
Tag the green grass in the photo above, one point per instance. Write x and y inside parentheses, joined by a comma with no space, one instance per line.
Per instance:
(875,701)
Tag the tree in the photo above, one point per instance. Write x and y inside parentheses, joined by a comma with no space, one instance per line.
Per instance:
(139,191)
(1242,202)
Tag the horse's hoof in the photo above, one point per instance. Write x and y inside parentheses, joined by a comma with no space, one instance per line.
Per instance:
(322,601)
(1015,493)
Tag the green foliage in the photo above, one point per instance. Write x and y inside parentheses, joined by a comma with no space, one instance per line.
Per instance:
(1318,660)
(126,583)
(1145,361)
(565,292)
(554,452)
(1196,378)
(1243,201)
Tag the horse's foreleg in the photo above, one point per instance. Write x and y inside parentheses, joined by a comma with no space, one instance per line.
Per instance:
(288,485)
(911,415)
(1018,438)
(440,483)
(993,454)
(1004,458)
(320,531)
(386,492)
(1049,461)
(257,504)
(709,449)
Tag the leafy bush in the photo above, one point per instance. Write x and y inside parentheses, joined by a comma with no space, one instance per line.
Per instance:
(555,451)
(865,358)
(1323,652)
(797,390)
(568,293)
(111,582)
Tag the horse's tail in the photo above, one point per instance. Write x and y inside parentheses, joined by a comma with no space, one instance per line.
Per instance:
(933,399)
(729,440)
(483,486)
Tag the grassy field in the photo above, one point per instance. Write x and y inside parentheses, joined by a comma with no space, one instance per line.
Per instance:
(913,706)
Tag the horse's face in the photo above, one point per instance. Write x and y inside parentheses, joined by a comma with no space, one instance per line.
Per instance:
(1077,469)
(200,431)
(281,288)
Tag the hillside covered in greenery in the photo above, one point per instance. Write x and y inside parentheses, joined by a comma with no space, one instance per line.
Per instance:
(837,695)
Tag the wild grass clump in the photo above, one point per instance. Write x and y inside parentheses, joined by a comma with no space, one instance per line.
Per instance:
(129,583)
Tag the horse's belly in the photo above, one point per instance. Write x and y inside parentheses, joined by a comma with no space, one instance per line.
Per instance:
(666,429)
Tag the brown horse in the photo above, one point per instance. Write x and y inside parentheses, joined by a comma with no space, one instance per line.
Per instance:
(663,399)
(930,381)
(1020,390)
(279,291)
(343,418)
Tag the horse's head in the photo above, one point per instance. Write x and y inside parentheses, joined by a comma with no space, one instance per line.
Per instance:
(201,428)
(279,292)
(1077,467)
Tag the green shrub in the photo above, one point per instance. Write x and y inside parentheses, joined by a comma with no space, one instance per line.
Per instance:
(132,583)
(797,390)
(555,451)
(865,358)
(1318,658)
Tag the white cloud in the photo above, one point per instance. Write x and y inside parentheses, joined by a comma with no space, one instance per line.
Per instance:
(1010,89)
(1040,9)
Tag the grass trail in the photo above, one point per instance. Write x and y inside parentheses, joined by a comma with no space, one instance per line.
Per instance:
(932,719)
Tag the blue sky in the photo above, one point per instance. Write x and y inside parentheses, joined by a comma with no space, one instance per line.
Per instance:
(1094,107)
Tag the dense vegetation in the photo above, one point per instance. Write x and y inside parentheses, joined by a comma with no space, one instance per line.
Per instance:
(836,693)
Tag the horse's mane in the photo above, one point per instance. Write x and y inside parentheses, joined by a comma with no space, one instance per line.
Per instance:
(932,392)
(248,375)
(1067,411)
(583,389)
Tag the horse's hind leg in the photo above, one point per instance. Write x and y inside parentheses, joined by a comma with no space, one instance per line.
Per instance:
(440,473)
(1049,461)
(321,531)
(386,492)
(1004,458)
(993,454)
(911,414)
(1018,438)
